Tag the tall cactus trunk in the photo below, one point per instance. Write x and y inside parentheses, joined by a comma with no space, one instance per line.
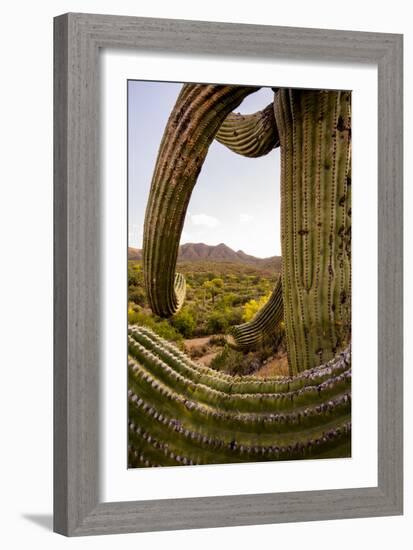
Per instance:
(315,136)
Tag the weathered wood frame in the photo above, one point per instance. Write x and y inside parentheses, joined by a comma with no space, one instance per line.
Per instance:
(78,39)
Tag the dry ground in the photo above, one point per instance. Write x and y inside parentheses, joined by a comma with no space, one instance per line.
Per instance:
(202,351)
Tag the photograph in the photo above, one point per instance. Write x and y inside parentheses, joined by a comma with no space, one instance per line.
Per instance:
(239,273)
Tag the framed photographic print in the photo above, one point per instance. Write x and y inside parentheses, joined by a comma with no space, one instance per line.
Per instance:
(228,274)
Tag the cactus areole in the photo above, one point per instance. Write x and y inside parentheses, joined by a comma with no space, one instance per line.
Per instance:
(313,130)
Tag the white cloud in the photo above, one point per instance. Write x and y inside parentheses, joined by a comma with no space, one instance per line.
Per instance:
(245,218)
(186,237)
(204,219)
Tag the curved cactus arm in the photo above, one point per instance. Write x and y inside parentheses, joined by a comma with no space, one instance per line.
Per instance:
(218,380)
(177,415)
(265,322)
(252,135)
(194,121)
(180,290)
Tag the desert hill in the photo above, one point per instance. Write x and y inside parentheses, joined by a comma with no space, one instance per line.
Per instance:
(192,252)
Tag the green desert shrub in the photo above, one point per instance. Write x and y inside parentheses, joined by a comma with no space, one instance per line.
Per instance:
(135,274)
(230,299)
(235,362)
(217,322)
(234,316)
(160,326)
(137,295)
(184,322)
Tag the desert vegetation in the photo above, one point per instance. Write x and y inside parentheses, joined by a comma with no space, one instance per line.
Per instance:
(233,409)
(218,295)
(221,295)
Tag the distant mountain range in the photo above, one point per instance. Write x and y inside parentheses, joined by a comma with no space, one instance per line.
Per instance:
(192,252)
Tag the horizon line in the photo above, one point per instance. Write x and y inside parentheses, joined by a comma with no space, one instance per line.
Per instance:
(214,246)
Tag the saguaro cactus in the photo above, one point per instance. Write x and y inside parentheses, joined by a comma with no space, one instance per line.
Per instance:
(315,135)
(182,413)
(195,119)
(313,129)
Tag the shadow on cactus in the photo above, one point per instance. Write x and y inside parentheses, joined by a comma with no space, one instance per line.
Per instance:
(186,412)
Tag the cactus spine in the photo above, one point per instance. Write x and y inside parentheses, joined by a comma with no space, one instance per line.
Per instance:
(195,119)
(315,135)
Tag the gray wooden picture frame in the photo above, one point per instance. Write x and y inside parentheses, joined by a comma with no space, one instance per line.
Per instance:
(78,39)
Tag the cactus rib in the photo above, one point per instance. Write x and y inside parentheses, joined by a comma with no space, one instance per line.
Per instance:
(315,134)
(252,135)
(198,373)
(265,322)
(180,414)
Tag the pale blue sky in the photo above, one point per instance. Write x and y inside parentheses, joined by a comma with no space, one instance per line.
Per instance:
(236,200)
